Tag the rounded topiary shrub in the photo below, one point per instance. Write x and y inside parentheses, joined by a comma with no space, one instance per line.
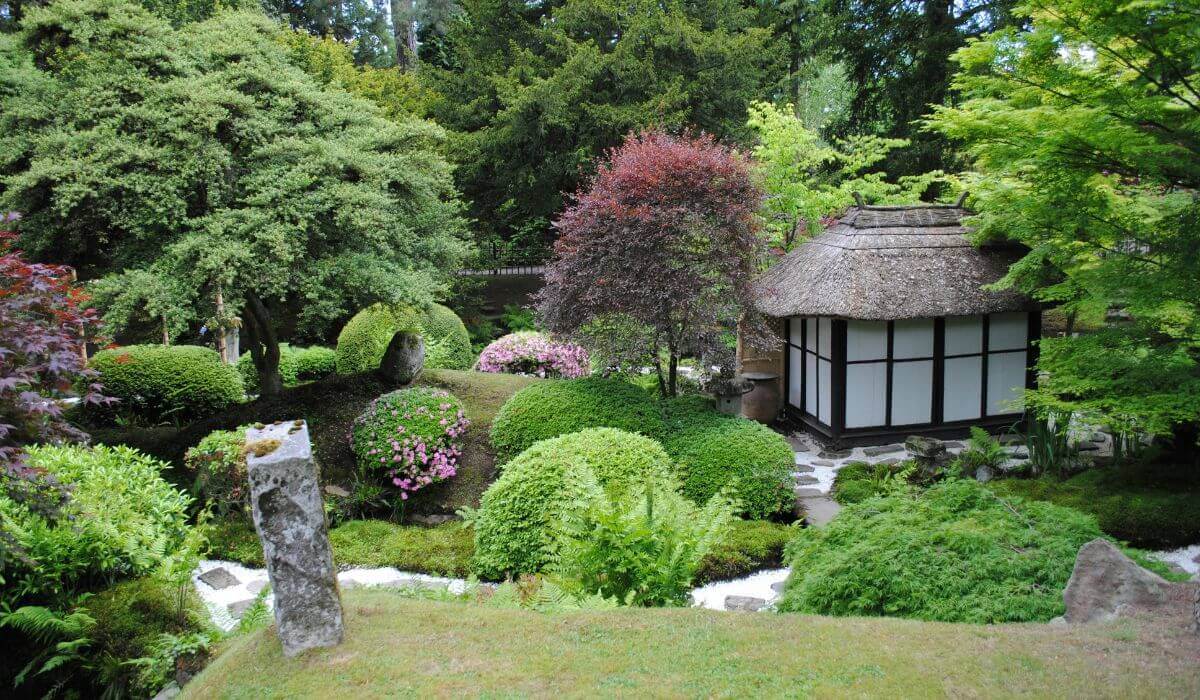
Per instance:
(550,409)
(412,436)
(296,365)
(514,526)
(955,553)
(118,521)
(177,382)
(535,354)
(715,451)
(365,337)
(447,343)
(218,465)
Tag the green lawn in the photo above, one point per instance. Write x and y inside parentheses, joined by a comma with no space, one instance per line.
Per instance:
(404,647)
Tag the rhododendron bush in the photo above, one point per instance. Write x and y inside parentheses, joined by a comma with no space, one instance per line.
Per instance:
(412,436)
(535,354)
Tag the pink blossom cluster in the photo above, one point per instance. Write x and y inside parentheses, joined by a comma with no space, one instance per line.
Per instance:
(412,435)
(534,354)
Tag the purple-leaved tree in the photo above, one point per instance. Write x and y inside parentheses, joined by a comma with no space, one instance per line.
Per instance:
(665,238)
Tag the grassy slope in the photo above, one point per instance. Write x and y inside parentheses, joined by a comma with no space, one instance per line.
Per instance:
(398,646)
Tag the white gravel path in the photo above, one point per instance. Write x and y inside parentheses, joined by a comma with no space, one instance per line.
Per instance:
(757,585)
(1187,558)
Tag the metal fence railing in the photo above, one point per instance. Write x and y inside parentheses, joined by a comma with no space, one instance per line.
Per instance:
(511,270)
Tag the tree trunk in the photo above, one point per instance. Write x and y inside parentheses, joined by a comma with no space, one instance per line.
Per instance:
(405,34)
(673,375)
(264,346)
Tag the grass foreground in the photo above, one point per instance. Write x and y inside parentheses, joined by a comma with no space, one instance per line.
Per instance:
(400,647)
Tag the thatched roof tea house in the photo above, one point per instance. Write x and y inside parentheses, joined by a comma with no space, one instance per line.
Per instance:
(888,330)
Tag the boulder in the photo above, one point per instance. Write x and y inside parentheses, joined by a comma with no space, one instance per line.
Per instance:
(289,516)
(876,451)
(1106,584)
(929,453)
(403,359)
(219,578)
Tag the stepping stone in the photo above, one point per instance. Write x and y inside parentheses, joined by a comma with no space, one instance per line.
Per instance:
(804,492)
(744,603)
(822,463)
(954,445)
(799,445)
(240,607)
(803,469)
(890,461)
(219,578)
(256,586)
(819,510)
(778,586)
(882,450)
(834,454)
(1019,452)
(805,480)
(1087,447)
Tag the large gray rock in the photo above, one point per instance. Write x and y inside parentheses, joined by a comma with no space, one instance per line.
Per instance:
(744,603)
(403,359)
(1106,584)
(289,516)
(929,453)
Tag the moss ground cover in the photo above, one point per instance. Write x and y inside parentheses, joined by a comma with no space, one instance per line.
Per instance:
(694,653)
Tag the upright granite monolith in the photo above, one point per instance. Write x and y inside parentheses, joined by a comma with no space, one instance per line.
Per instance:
(289,516)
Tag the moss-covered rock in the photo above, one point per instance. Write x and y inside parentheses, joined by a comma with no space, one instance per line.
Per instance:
(365,337)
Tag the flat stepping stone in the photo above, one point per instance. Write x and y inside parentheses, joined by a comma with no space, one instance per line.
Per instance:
(803,469)
(822,463)
(239,608)
(778,586)
(834,454)
(882,450)
(954,445)
(805,492)
(799,445)
(257,586)
(219,578)
(744,603)
(805,480)
(819,510)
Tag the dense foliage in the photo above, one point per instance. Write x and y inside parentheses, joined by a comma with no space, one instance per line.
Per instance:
(364,339)
(535,92)
(956,553)
(175,382)
(550,409)
(1146,505)
(535,354)
(856,482)
(716,452)
(447,342)
(642,547)
(411,435)
(296,365)
(226,169)
(515,525)
(666,234)
(120,521)
(1082,129)
(218,466)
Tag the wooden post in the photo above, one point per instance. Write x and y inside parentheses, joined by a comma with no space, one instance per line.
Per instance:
(222,348)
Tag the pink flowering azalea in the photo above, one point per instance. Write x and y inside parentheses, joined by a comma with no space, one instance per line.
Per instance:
(534,354)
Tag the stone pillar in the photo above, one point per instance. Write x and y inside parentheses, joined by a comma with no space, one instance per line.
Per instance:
(289,516)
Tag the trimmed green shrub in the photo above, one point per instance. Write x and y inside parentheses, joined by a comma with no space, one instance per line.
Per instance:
(749,546)
(177,382)
(715,451)
(514,526)
(857,481)
(296,365)
(412,435)
(554,408)
(365,337)
(1146,505)
(447,343)
(956,553)
(218,465)
(119,521)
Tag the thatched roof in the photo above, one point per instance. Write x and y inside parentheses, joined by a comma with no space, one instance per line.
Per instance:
(888,263)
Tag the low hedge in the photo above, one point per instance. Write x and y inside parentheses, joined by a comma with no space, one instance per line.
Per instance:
(447,342)
(955,552)
(749,546)
(715,451)
(553,408)
(176,382)
(296,365)
(1153,506)
(857,481)
(515,521)
(365,337)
